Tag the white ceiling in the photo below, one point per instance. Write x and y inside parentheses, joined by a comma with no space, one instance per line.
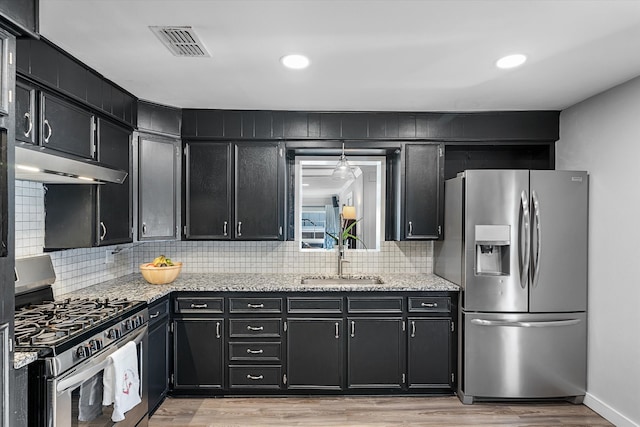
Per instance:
(366,55)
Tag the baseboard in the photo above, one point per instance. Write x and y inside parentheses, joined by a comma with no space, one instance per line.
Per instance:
(607,412)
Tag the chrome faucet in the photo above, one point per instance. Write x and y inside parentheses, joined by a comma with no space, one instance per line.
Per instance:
(341,259)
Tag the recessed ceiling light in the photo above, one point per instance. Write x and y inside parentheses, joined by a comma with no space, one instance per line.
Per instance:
(295,61)
(511,61)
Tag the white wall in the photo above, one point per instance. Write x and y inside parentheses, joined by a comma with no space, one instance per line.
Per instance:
(602,135)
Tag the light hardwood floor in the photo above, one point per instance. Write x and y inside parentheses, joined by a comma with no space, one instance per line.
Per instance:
(366,411)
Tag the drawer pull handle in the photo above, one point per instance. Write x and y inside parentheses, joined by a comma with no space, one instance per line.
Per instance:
(429,304)
(153,316)
(255,351)
(255,377)
(255,328)
(198,305)
(255,305)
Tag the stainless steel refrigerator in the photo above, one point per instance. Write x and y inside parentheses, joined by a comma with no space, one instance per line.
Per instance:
(515,241)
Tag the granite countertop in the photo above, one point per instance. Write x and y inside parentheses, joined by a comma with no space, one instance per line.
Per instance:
(22,358)
(134,287)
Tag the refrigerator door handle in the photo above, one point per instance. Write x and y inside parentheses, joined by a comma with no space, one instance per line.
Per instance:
(543,324)
(536,217)
(524,201)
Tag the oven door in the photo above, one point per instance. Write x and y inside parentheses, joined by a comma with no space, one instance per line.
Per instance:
(76,397)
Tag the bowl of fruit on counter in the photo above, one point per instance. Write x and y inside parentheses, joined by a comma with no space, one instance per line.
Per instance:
(161,270)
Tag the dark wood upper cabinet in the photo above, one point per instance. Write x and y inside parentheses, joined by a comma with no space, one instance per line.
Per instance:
(208,191)
(234,190)
(66,127)
(422,191)
(26,120)
(114,200)
(22,15)
(42,63)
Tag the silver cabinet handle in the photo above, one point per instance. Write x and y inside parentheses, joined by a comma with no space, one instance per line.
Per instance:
(153,316)
(410,228)
(104,230)
(255,351)
(255,377)
(217,329)
(30,124)
(429,304)
(239,228)
(536,217)
(255,305)
(224,228)
(413,329)
(255,328)
(144,228)
(337,330)
(198,305)
(50,130)
(353,329)
(524,202)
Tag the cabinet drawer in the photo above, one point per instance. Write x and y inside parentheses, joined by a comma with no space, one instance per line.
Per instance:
(255,305)
(199,305)
(254,351)
(430,304)
(158,310)
(255,327)
(314,305)
(375,305)
(255,376)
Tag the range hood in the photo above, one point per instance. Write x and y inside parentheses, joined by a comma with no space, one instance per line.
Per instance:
(41,164)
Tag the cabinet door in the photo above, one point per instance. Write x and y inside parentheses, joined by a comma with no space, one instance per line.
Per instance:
(423,191)
(315,353)
(198,353)
(157,188)
(375,353)
(66,127)
(25,113)
(114,200)
(429,353)
(158,362)
(257,192)
(208,191)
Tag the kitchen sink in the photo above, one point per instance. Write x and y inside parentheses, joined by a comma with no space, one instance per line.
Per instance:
(345,280)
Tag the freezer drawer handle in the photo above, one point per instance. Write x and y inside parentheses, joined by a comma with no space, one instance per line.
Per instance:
(542,324)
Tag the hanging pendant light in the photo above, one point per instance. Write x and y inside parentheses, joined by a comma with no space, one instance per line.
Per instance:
(343,169)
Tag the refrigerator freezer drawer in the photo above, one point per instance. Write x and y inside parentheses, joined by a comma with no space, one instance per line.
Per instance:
(524,356)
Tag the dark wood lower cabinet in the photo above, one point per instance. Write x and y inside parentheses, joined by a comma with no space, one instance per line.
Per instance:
(375,352)
(301,343)
(315,352)
(158,360)
(429,347)
(198,353)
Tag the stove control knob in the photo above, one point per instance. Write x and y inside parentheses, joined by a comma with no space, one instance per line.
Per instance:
(114,334)
(128,324)
(83,352)
(138,320)
(95,344)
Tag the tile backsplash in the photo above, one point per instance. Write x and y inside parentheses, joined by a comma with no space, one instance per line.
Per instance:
(79,268)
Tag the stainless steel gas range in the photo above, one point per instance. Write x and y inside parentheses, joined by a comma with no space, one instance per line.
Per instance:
(74,339)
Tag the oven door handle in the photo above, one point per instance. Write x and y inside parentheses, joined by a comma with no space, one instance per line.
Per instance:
(86,371)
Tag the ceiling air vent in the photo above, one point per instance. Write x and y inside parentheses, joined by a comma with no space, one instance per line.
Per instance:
(181,41)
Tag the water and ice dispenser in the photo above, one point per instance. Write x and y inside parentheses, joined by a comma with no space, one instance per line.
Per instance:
(493,248)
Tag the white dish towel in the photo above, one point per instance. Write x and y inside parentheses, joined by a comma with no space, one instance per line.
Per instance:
(121,381)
